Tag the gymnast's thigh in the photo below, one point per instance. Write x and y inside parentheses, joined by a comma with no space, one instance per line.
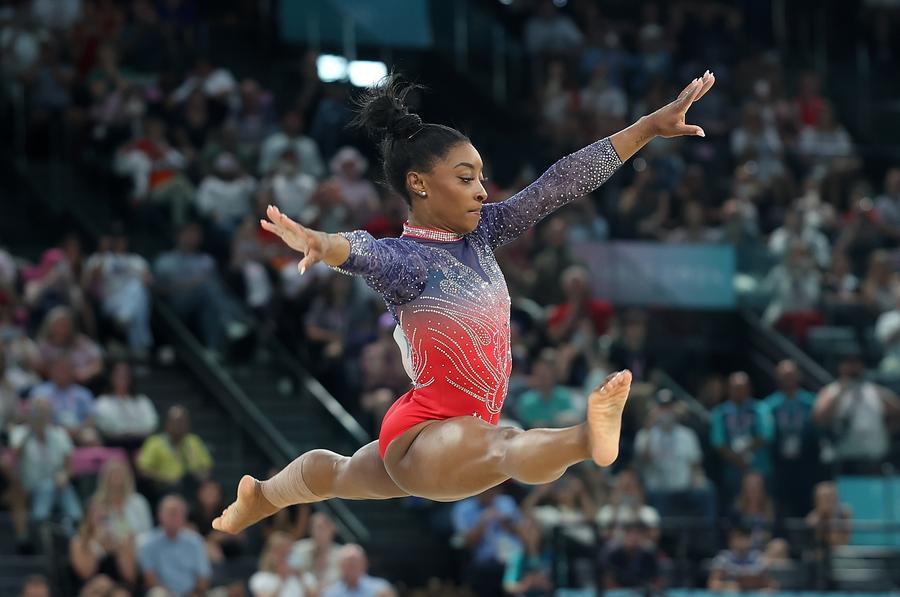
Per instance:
(448,459)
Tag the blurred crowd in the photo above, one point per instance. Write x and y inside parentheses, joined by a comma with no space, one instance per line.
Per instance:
(197,152)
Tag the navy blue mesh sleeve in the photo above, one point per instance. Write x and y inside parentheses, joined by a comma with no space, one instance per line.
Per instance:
(391,266)
(569,178)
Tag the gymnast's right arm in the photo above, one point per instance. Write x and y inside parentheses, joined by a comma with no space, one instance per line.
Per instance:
(387,265)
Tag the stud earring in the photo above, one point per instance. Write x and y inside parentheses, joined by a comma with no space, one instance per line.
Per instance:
(423,193)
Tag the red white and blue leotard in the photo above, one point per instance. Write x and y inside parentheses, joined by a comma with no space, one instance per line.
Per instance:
(450,300)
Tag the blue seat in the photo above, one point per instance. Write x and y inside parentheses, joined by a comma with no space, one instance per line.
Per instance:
(874,499)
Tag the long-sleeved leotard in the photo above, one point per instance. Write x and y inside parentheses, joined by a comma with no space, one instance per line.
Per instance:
(450,299)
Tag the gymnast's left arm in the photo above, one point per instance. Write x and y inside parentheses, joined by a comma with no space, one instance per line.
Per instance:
(584,171)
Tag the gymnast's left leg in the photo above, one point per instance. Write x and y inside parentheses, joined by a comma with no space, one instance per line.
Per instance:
(314,476)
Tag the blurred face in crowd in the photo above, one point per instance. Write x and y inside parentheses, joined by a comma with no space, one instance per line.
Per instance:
(36,588)
(892,182)
(178,423)
(172,515)
(62,329)
(693,214)
(739,542)
(322,529)
(879,266)
(189,238)
(575,283)
(826,498)
(667,416)
(544,375)
(61,372)
(41,414)
(209,494)
(634,537)
(117,478)
(120,378)
(628,487)
(353,564)
(788,376)
(455,190)
(754,486)
(851,368)
(292,124)
(634,333)
(738,387)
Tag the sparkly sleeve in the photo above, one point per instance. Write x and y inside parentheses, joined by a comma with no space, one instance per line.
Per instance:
(569,178)
(388,265)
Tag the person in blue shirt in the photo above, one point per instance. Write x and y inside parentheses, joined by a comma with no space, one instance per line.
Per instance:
(173,556)
(795,445)
(73,405)
(528,571)
(741,430)
(487,525)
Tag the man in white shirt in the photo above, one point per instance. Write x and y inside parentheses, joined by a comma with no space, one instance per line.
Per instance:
(887,331)
(355,581)
(670,461)
(291,136)
(120,281)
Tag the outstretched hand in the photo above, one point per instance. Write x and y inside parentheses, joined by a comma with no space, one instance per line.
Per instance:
(669,121)
(312,243)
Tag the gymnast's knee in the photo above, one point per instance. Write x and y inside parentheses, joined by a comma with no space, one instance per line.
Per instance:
(321,471)
(500,444)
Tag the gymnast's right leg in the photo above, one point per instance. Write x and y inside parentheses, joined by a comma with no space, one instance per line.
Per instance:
(314,476)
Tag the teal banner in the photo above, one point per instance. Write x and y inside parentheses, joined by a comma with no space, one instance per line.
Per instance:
(390,23)
(662,275)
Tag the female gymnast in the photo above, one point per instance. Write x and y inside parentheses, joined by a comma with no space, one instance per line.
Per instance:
(443,286)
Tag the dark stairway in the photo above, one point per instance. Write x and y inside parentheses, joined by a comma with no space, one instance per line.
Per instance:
(400,545)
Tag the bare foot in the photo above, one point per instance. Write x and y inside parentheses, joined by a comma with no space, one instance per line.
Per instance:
(604,415)
(250,507)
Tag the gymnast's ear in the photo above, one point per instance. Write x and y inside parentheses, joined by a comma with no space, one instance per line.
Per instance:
(416,184)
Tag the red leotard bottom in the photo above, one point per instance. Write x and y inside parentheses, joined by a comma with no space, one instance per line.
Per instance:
(405,413)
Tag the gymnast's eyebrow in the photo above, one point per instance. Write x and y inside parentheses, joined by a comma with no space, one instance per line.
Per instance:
(467,164)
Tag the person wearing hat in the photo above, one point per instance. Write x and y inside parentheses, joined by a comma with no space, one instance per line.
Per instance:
(670,462)
(859,414)
(225,196)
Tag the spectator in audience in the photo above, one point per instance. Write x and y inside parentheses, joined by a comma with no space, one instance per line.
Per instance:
(741,431)
(355,580)
(43,452)
(695,229)
(73,405)
(119,280)
(35,586)
(207,505)
(553,258)
(887,332)
(155,168)
(188,278)
(225,197)
(796,289)
(887,205)
(357,193)
(634,563)
(840,286)
(487,525)
(569,506)
(859,415)
(126,513)
(758,140)
(291,189)
(59,337)
(291,137)
(528,572)
(275,577)
(754,510)
(9,397)
(826,144)
(795,443)
(550,32)
(795,231)
(176,459)
(173,556)
(384,376)
(830,521)
(318,554)
(564,318)
(627,505)
(50,284)
(669,458)
(881,286)
(632,350)
(99,549)
(124,417)
(22,359)
(740,567)
(547,403)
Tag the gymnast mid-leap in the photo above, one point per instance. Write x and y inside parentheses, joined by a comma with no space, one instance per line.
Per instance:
(442,284)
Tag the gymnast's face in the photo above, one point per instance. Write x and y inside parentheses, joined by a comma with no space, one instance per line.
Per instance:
(454,191)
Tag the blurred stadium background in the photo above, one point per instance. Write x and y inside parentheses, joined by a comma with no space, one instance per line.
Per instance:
(155,341)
